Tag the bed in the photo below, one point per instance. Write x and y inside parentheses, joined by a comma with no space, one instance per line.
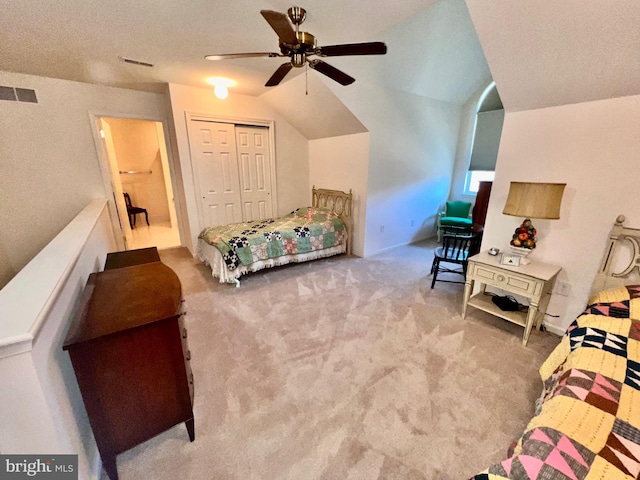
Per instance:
(587,421)
(321,230)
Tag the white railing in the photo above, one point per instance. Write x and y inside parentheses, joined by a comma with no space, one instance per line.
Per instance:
(40,403)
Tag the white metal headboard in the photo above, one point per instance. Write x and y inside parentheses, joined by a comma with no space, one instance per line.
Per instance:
(621,261)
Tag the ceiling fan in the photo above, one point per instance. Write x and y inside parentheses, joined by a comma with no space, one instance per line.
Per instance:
(299,46)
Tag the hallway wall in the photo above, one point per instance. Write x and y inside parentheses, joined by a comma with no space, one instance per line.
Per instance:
(49,161)
(137,149)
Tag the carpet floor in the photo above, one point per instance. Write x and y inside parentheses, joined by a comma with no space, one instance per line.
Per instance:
(343,368)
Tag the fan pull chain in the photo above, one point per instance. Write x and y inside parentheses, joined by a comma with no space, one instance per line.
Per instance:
(306,79)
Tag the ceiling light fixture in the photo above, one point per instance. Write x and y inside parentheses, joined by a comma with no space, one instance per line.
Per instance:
(221,91)
(221,86)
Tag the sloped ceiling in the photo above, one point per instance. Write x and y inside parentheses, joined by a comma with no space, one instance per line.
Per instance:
(318,114)
(436,54)
(545,53)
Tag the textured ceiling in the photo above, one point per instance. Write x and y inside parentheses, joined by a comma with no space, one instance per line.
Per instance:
(81,40)
(548,53)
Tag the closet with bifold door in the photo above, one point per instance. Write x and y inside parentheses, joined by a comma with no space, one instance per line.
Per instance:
(233,171)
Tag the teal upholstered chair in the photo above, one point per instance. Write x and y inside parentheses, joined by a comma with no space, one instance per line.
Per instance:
(456,215)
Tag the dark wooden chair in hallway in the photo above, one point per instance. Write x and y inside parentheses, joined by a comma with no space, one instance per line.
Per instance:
(133,211)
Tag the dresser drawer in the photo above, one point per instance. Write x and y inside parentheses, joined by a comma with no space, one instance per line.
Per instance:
(504,279)
(183,327)
(184,333)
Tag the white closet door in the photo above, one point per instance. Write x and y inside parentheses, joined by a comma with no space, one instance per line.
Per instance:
(255,172)
(215,162)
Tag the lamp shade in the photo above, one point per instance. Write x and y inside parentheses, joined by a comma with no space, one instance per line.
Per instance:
(534,200)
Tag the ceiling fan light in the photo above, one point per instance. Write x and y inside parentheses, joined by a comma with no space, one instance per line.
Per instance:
(221,91)
(221,86)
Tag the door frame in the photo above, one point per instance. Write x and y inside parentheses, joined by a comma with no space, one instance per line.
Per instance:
(116,185)
(95,118)
(251,122)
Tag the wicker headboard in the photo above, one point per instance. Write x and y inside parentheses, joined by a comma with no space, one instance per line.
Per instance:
(340,203)
(621,261)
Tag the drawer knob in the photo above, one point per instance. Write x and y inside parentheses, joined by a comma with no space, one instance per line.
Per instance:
(184,333)
(188,355)
(501,278)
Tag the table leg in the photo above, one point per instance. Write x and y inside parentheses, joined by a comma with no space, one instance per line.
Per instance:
(468,287)
(531,317)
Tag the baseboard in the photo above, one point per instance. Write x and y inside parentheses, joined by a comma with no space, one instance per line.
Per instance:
(555,329)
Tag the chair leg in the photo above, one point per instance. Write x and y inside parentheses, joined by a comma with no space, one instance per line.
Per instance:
(435,268)
(146,217)
(130,221)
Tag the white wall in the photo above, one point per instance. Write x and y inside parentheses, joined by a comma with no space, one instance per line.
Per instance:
(341,163)
(593,147)
(412,150)
(410,101)
(48,158)
(40,403)
(292,149)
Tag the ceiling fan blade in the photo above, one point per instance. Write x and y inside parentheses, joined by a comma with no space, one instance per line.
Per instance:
(279,74)
(281,25)
(370,48)
(331,72)
(228,56)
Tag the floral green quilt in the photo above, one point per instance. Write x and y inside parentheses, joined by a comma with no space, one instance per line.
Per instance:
(302,231)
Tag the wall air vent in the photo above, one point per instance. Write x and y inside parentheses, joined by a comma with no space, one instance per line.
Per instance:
(136,62)
(16,94)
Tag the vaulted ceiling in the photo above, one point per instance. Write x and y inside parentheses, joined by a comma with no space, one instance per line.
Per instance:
(540,53)
(548,53)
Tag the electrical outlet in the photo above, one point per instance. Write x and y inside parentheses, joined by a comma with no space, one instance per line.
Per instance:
(563,288)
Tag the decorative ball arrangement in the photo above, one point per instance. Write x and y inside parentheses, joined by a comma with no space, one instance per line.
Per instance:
(525,236)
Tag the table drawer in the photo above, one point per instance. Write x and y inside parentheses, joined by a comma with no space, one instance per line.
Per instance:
(510,281)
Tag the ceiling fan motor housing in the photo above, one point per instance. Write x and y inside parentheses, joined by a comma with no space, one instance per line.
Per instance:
(297,15)
(298,53)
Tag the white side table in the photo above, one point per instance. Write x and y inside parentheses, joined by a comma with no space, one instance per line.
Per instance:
(533,281)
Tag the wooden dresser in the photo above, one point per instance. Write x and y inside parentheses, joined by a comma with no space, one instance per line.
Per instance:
(127,344)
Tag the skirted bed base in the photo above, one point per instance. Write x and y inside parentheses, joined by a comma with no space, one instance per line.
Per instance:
(210,255)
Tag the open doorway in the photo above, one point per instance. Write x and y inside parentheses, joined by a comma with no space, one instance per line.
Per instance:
(136,151)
